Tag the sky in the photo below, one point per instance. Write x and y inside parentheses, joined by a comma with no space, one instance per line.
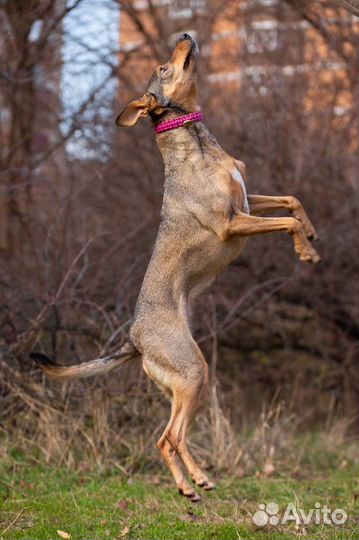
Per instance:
(91,37)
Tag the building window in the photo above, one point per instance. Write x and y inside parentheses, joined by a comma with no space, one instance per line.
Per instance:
(35,30)
(260,41)
(185,9)
(268,3)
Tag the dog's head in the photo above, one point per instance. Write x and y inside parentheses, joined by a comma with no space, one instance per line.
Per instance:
(172,86)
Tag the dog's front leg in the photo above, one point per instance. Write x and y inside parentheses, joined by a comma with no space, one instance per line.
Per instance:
(262,204)
(244,225)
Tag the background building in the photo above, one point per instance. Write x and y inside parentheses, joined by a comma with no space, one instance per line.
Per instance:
(248,46)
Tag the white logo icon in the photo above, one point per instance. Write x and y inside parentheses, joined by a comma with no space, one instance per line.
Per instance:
(266,514)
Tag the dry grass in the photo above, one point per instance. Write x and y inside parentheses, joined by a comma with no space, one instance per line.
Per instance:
(93,423)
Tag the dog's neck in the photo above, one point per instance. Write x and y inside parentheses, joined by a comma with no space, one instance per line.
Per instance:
(180,143)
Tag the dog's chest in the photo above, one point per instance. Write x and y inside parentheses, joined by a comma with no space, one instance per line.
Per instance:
(238,182)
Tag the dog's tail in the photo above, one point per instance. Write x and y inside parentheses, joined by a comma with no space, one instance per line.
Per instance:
(100,365)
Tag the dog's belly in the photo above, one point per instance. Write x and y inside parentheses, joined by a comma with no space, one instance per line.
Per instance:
(182,266)
(205,262)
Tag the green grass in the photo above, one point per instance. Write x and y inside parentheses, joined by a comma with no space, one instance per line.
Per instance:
(36,501)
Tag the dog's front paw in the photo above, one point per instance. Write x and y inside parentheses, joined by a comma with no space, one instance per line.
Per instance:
(309,256)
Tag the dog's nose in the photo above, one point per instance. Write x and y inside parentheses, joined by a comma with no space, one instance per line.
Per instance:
(185,36)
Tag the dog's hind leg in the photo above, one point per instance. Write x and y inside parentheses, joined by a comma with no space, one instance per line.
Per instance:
(162,373)
(169,455)
(183,373)
(189,400)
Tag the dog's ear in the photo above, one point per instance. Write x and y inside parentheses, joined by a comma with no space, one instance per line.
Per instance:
(135,110)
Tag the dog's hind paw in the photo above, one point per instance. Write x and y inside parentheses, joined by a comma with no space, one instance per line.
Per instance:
(191,495)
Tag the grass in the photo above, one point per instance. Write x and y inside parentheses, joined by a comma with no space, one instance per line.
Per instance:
(37,501)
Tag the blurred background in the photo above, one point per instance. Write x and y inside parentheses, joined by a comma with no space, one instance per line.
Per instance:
(79,210)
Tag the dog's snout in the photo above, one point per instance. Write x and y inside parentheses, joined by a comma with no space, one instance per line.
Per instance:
(184,37)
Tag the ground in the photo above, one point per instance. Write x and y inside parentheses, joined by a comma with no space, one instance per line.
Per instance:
(43,502)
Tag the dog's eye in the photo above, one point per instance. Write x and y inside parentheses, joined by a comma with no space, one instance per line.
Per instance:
(163,69)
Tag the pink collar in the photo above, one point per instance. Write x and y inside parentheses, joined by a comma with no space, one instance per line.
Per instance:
(185,120)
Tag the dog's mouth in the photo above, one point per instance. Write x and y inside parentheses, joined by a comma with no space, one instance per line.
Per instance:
(187,59)
(192,54)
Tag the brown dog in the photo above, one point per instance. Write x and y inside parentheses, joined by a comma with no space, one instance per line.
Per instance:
(206,219)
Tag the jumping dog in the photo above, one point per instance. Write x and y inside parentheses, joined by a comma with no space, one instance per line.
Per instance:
(206,218)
